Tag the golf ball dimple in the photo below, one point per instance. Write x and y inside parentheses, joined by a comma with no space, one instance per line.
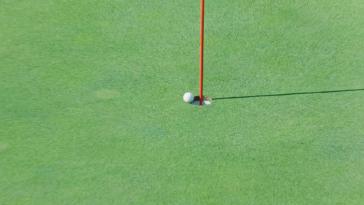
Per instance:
(188,97)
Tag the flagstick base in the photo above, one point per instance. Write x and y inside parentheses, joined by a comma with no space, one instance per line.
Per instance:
(206,101)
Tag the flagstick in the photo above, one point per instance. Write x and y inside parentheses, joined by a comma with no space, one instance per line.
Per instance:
(202,33)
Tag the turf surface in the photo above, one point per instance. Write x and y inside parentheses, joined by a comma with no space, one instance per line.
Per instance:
(91,109)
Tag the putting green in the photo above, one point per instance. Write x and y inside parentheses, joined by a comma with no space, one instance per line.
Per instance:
(91,108)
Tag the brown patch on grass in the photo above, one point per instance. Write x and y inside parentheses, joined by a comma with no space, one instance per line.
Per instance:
(107,94)
(3,146)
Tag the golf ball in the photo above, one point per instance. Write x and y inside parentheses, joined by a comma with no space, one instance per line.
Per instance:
(188,97)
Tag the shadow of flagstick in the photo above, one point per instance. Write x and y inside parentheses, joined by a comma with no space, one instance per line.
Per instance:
(288,94)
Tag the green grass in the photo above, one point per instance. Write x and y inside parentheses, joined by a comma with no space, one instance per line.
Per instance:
(91,107)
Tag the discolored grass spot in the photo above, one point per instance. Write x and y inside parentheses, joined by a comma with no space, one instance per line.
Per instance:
(3,147)
(107,94)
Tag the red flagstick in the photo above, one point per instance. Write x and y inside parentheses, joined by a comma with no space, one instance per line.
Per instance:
(202,33)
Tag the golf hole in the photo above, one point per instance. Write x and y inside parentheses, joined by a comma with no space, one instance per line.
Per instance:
(207,101)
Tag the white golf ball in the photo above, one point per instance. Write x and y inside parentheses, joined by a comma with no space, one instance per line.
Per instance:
(188,97)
